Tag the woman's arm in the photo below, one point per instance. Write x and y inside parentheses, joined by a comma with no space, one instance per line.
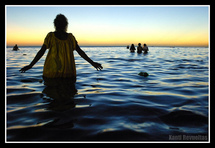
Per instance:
(35,60)
(98,66)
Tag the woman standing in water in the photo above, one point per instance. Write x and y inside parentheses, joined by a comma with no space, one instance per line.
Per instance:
(60,61)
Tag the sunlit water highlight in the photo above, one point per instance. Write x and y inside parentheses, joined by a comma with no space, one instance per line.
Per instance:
(115,103)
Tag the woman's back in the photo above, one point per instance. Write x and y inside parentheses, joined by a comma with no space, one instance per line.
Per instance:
(60,59)
(61,35)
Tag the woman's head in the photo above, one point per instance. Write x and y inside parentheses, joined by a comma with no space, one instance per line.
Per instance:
(61,23)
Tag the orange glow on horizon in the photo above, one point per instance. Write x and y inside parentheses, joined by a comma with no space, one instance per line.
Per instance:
(31,38)
(106,43)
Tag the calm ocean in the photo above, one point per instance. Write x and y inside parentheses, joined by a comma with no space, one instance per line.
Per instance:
(115,104)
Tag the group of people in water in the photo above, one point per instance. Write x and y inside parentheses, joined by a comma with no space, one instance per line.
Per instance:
(140,49)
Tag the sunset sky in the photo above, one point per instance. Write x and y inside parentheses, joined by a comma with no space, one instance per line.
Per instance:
(111,25)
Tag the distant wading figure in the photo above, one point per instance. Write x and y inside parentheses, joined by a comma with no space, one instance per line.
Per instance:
(60,63)
(132,48)
(139,48)
(15,48)
(145,48)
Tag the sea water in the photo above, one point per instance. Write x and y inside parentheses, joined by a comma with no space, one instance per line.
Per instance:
(115,104)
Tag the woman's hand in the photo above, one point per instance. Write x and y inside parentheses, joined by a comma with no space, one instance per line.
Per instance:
(25,68)
(36,58)
(98,66)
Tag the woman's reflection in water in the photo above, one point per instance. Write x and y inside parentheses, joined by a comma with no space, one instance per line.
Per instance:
(61,92)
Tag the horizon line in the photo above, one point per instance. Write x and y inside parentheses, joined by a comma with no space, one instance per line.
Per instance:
(7,46)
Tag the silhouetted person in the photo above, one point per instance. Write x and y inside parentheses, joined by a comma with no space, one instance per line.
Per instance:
(15,48)
(145,48)
(132,48)
(139,48)
(60,61)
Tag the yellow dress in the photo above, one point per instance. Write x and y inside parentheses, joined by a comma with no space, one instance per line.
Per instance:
(60,61)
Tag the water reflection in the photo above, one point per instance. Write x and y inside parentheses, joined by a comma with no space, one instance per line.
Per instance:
(60,92)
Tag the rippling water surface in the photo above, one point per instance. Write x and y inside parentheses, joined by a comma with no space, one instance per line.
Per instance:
(115,104)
